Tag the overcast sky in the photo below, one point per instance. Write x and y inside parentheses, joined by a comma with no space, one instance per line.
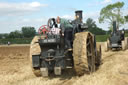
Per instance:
(15,14)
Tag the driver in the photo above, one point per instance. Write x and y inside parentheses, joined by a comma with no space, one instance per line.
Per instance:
(66,29)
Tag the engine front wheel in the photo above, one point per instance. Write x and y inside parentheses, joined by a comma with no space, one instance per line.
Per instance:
(35,50)
(123,45)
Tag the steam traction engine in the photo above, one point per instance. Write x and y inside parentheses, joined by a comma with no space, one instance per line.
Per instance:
(117,39)
(48,53)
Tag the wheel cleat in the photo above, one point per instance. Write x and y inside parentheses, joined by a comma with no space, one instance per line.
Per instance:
(57,70)
(44,72)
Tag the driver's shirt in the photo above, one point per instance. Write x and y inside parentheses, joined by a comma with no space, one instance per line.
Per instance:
(65,24)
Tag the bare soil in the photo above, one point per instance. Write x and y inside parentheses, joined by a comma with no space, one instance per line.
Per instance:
(15,69)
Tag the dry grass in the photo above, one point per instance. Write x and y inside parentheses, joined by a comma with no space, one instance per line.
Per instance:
(15,70)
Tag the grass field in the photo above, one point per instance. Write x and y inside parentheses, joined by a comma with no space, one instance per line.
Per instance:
(99,38)
(103,38)
(16,41)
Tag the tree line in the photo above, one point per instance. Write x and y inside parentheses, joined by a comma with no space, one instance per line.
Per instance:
(25,32)
(93,28)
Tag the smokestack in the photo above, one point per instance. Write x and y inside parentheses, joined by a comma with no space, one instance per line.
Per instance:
(78,15)
(114,26)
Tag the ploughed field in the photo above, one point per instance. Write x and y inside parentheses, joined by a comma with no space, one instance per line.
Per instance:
(15,69)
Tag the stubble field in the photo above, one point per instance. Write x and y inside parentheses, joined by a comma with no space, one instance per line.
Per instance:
(15,69)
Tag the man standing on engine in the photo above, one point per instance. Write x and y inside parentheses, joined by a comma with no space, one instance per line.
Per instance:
(66,29)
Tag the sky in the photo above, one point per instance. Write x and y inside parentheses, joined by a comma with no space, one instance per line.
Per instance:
(14,14)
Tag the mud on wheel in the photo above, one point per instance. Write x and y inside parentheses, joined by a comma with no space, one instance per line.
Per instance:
(83,53)
(107,45)
(35,50)
(99,54)
(124,44)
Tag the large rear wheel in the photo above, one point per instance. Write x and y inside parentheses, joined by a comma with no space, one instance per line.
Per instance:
(83,53)
(123,45)
(126,43)
(107,45)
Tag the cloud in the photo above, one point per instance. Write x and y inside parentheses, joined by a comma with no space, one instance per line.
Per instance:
(13,9)
(125,11)
(94,14)
(9,26)
(85,15)
(67,16)
(35,4)
(106,1)
(97,3)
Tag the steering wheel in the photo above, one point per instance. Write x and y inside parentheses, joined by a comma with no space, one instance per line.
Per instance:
(43,29)
(51,23)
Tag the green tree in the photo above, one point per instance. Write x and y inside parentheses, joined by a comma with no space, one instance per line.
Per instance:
(112,12)
(28,32)
(126,17)
(15,34)
(0,36)
(5,35)
(90,23)
(92,27)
